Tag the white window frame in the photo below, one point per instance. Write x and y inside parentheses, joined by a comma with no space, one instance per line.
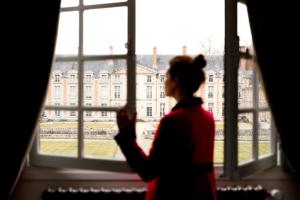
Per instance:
(148,92)
(37,159)
(232,170)
(231,62)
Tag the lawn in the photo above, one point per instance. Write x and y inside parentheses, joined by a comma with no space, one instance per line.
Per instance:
(109,149)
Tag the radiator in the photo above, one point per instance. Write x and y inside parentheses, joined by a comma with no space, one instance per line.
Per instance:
(238,192)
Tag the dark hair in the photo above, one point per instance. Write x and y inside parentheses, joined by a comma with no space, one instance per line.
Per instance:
(188,71)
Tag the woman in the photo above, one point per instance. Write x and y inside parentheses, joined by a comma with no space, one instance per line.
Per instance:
(180,161)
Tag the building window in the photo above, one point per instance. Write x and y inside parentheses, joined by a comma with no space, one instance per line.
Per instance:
(72,112)
(57,112)
(162,92)
(149,77)
(88,92)
(88,78)
(72,78)
(104,92)
(57,92)
(210,107)
(104,77)
(72,94)
(103,113)
(162,109)
(117,78)
(210,91)
(149,92)
(210,78)
(149,111)
(56,78)
(117,92)
(223,92)
(162,78)
(257,119)
(88,113)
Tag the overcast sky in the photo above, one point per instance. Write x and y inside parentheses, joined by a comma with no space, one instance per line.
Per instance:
(167,24)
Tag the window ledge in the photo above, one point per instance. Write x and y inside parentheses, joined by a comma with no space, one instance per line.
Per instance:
(40,173)
(44,173)
(273,173)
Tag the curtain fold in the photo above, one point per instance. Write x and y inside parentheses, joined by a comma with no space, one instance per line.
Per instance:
(29,30)
(275,31)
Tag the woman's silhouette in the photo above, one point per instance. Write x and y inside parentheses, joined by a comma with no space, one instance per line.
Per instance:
(180,161)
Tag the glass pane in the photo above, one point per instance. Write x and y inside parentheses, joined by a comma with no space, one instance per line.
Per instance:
(262,101)
(264,133)
(68,34)
(69,3)
(91,2)
(99,131)
(105,31)
(105,83)
(245,73)
(63,85)
(245,87)
(58,133)
(245,137)
(156,44)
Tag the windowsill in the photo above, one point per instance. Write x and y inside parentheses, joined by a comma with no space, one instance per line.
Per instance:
(274,173)
(43,173)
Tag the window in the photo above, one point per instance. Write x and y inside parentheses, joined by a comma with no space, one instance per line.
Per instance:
(162,92)
(97,30)
(82,125)
(72,78)
(72,113)
(149,77)
(103,113)
(88,78)
(162,78)
(149,111)
(57,112)
(57,78)
(148,92)
(162,109)
(104,92)
(88,113)
(57,92)
(210,78)
(210,91)
(88,92)
(117,78)
(117,92)
(72,92)
(210,107)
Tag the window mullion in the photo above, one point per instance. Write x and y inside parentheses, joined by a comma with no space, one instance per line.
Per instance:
(131,58)
(80,81)
(255,116)
(231,63)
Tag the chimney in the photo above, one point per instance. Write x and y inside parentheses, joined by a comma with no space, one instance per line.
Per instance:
(154,60)
(184,50)
(110,61)
(111,48)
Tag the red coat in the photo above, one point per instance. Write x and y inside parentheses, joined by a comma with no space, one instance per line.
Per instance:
(179,164)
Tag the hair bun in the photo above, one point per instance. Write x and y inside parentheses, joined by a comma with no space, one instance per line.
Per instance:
(199,61)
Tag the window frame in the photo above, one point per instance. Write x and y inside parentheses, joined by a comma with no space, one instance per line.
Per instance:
(232,170)
(80,161)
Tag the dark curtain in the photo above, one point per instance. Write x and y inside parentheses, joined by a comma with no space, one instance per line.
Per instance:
(275,31)
(28,34)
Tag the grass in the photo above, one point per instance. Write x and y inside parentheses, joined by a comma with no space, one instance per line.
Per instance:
(67,125)
(109,149)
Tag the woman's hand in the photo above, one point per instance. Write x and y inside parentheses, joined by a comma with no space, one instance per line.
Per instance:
(125,119)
